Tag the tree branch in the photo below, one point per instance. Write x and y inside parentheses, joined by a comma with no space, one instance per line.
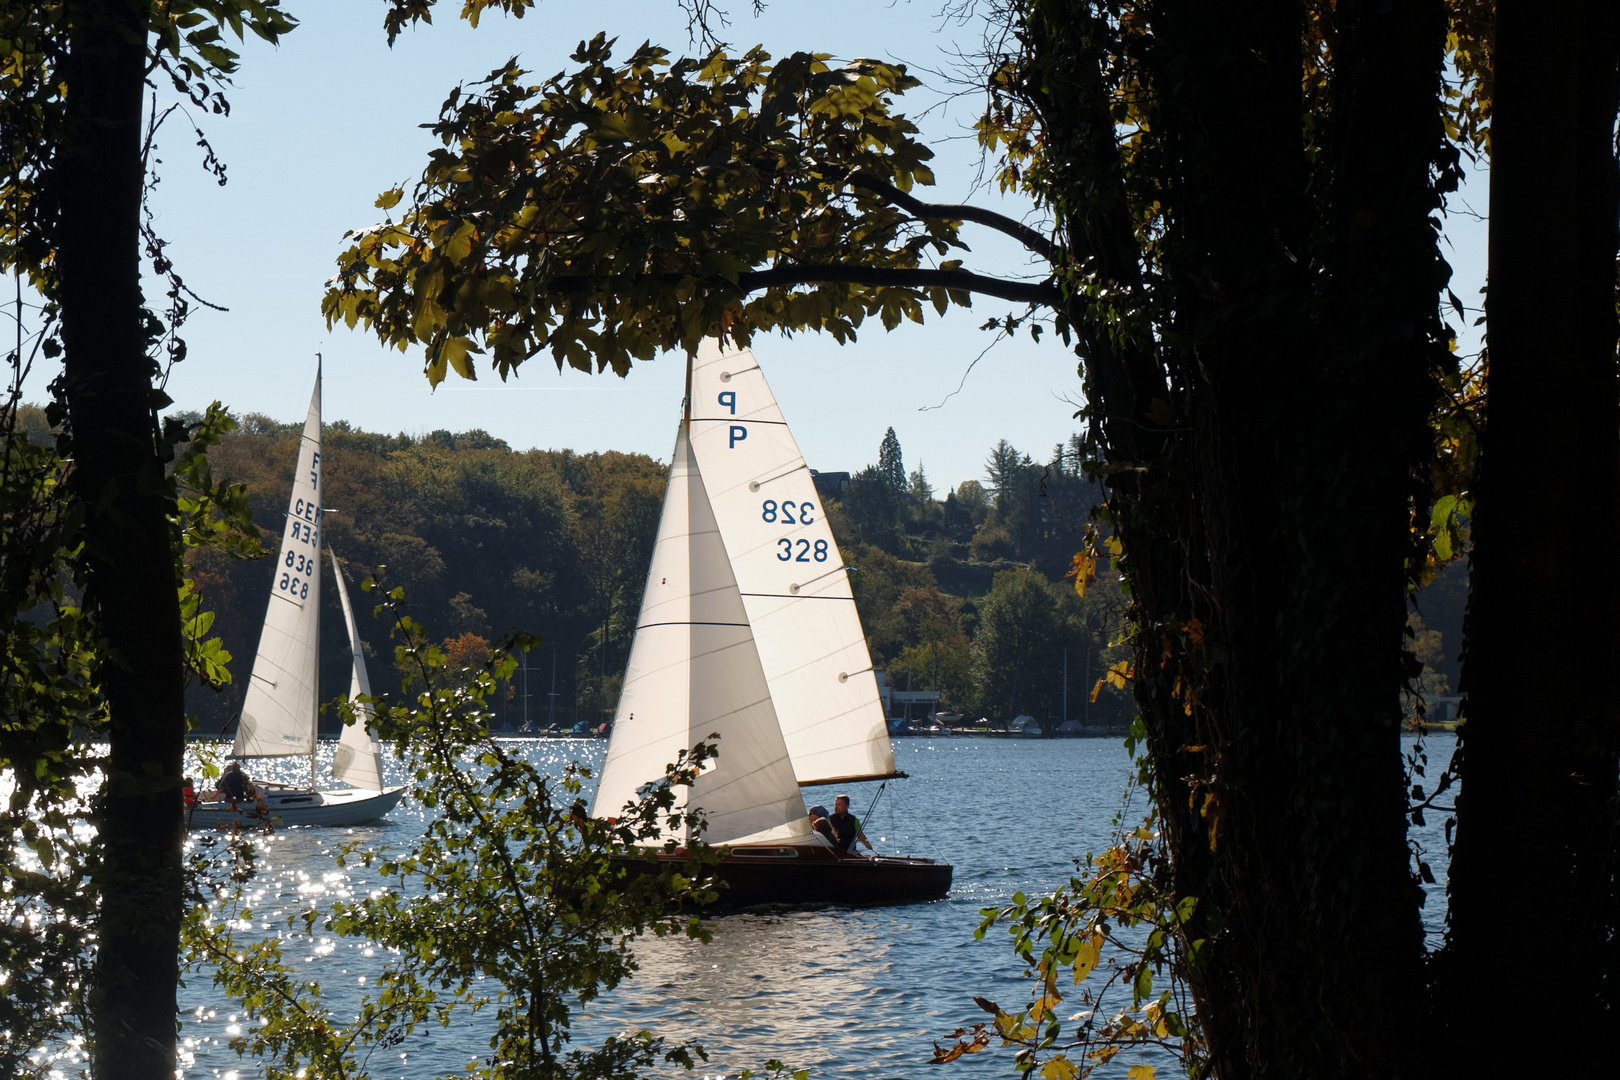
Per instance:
(1022,292)
(1025,235)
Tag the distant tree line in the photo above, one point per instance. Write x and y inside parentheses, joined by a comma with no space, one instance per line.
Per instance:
(484,541)
(966,595)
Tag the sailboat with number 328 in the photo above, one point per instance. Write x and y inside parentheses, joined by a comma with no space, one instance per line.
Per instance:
(748,630)
(282,705)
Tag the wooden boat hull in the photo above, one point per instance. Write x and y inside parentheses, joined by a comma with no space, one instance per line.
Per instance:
(813,875)
(299,806)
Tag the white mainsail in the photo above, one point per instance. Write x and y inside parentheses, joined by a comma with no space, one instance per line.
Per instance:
(359,755)
(694,672)
(280,709)
(792,578)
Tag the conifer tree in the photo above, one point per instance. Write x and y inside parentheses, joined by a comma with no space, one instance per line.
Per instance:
(891,466)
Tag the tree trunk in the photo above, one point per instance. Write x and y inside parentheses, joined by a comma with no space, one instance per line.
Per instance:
(118,482)
(1532,876)
(1275,437)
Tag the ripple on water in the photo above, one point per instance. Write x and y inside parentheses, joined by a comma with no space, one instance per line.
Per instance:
(846,993)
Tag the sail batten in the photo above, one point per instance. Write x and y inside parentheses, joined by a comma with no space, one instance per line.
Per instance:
(784,556)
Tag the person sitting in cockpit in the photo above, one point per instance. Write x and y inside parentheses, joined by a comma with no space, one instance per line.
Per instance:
(818,823)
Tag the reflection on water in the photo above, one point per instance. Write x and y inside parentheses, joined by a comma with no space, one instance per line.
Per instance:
(790,985)
(847,993)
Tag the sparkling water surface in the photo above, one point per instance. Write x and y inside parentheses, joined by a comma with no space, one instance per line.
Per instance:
(842,992)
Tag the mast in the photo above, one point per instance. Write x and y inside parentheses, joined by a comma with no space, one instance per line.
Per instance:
(551,709)
(315,688)
(315,598)
(686,402)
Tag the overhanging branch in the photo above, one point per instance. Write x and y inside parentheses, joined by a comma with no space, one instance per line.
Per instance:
(1043,293)
(1025,235)
(1022,292)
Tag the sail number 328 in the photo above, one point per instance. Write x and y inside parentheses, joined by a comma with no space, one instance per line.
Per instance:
(789,512)
(771,512)
(805,551)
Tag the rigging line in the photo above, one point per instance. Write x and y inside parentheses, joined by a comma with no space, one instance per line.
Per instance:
(726,376)
(867,816)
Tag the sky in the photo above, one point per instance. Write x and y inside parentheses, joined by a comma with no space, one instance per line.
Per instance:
(323,123)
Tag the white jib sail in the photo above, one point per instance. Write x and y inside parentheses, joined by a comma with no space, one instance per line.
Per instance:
(359,754)
(279,710)
(694,672)
(789,571)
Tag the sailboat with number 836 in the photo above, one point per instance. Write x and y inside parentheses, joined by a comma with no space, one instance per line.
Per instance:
(281,709)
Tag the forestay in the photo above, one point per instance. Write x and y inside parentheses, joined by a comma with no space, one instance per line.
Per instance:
(359,755)
(693,672)
(279,710)
(793,580)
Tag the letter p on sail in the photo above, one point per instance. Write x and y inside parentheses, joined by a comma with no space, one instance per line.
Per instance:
(738,434)
(728,398)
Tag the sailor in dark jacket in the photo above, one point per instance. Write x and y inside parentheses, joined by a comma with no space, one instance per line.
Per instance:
(846,827)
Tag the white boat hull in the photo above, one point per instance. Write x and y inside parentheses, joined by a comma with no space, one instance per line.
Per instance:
(300,806)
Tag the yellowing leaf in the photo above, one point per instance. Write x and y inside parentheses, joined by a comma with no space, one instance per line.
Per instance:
(1086,959)
(1083,568)
(455,353)
(1059,1068)
(1140,1072)
(390,198)
(1118,675)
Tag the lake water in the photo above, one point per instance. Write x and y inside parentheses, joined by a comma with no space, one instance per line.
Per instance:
(844,993)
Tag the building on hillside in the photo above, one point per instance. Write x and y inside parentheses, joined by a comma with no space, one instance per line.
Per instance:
(830,485)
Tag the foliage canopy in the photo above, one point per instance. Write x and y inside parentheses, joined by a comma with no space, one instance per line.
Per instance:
(626,208)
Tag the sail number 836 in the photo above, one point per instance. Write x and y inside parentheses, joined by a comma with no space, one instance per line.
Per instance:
(296,583)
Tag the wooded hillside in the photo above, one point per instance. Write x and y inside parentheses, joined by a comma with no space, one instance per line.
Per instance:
(963,593)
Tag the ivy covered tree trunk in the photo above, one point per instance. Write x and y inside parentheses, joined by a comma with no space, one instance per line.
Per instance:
(1533,873)
(118,481)
(1267,446)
